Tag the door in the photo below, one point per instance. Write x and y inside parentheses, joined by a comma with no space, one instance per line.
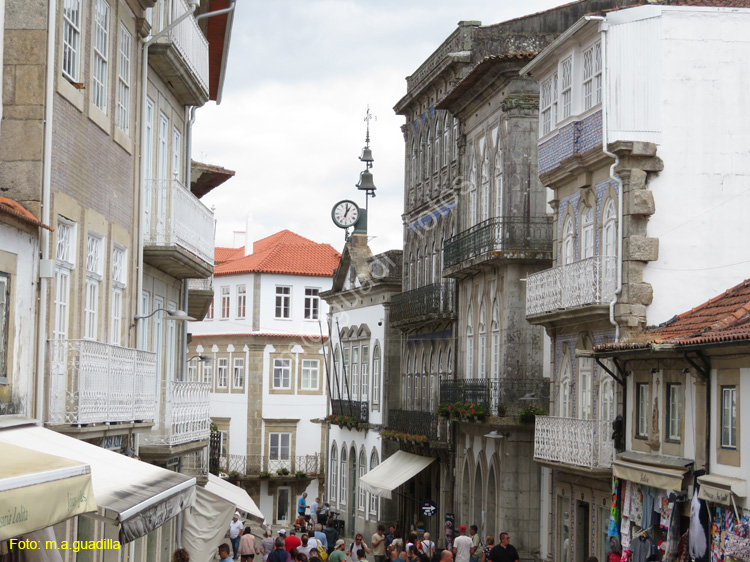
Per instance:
(283,505)
(583,532)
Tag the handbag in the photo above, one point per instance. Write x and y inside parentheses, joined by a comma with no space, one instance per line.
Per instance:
(322,553)
(737,547)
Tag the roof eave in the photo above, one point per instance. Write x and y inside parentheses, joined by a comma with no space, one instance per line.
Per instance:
(549,51)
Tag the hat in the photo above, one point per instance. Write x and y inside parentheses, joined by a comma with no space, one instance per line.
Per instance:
(462,528)
(340,542)
(282,531)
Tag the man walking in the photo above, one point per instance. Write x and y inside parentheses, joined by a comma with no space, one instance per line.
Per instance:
(378,544)
(504,552)
(332,536)
(446,556)
(235,530)
(475,543)
(314,507)
(338,554)
(462,546)
(224,552)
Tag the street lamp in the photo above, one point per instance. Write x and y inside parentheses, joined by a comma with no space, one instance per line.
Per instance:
(201,358)
(179,315)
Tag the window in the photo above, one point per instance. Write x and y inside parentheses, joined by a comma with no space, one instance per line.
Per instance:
(65,262)
(470,346)
(362,499)
(342,499)
(609,242)
(310,373)
(728,417)
(592,75)
(365,371)
(312,304)
(585,376)
(446,140)
(566,398)
(499,182)
(454,144)
(373,498)
(482,362)
(283,302)
(495,340)
(143,336)
(158,333)
(354,372)
(148,156)
(413,162)
(568,243)
(437,153)
(280,446)
(376,375)
(566,87)
(161,155)
(428,160)
(587,231)
(208,372)
(100,69)
(71,63)
(123,83)
(224,302)
(485,186)
(4,322)
(119,274)
(548,103)
(241,301)
(674,406)
(192,371)
(345,375)
(641,409)
(222,369)
(282,373)
(176,153)
(333,484)
(93,277)
(607,390)
(238,378)
(210,313)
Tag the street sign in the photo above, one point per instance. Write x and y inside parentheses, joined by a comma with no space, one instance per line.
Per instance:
(429,508)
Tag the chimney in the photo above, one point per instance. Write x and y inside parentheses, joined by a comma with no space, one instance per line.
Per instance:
(238,238)
(249,235)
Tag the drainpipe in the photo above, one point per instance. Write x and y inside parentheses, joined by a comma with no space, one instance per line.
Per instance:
(603,27)
(46,266)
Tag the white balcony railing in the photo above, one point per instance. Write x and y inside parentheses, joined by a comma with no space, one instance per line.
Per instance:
(186,415)
(93,382)
(176,217)
(188,39)
(582,283)
(585,443)
(206,284)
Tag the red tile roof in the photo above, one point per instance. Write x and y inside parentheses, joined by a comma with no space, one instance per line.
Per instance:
(722,319)
(284,252)
(11,207)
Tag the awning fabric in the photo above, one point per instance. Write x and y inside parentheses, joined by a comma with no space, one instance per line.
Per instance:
(205,523)
(38,490)
(648,475)
(137,496)
(719,489)
(392,472)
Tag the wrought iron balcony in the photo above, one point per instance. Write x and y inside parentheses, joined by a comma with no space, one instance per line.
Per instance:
(200,296)
(253,465)
(414,422)
(492,392)
(583,283)
(431,302)
(571,441)
(93,382)
(179,233)
(185,417)
(360,411)
(180,57)
(499,237)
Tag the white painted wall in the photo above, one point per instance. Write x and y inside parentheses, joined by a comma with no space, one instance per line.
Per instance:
(296,324)
(233,324)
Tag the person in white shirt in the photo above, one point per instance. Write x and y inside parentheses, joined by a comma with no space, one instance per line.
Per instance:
(428,547)
(358,544)
(462,546)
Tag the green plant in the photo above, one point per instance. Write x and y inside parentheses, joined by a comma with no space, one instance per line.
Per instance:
(265,474)
(390,434)
(341,420)
(214,427)
(466,410)
(301,474)
(530,411)
(501,410)
(444,409)
(283,472)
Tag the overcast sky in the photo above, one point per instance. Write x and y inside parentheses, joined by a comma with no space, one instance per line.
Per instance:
(300,76)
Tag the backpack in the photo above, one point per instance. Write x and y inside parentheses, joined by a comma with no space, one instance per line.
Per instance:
(322,553)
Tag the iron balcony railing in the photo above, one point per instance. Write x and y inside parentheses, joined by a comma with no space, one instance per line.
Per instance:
(513,393)
(584,443)
(586,282)
(414,422)
(206,284)
(424,303)
(176,217)
(185,415)
(259,464)
(189,41)
(94,382)
(360,411)
(513,236)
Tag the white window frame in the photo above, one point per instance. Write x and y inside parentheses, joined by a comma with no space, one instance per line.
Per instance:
(283,302)
(344,466)
(566,88)
(587,233)
(312,303)
(566,377)
(158,333)
(225,302)
(354,372)
(241,301)
(376,375)
(333,485)
(71,58)
(568,242)
(364,377)
(592,76)
(65,264)
(119,280)
(282,374)
(123,81)
(279,451)
(171,352)
(374,462)
(94,265)
(100,55)
(362,496)
(585,387)
(238,373)
(310,374)
(176,154)
(548,105)
(208,372)
(642,403)
(4,325)
(222,372)
(728,417)
(674,407)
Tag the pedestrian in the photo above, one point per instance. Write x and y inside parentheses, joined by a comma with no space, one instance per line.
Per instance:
(302,504)
(323,513)
(411,542)
(462,546)
(235,530)
(412,553)
(476,542)
(397,547)
(180,555)
(320,536)
(389,536)
(338,554)
(358,544)
(301,557)
(266,545)
(428,547)
(361,557)
(279,553)
(248,548)
(332,535)
(378,544)
(446,556)
(224,552)
(504,552)
(314,507)
(292,541)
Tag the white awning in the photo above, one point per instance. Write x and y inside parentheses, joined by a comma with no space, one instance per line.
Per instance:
(718,488)
(649,475)
(206,522)
(38,490)
(392,472)
(137,496)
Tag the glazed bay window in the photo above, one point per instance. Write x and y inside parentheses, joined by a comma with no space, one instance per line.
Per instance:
(238,375)
(376,375)
(283,302)
(100,70)
(310,374)
(312,304)
(282,373)
(566,88)
(354,372)
(222,369)
(210,313)
(365,371)
(592,76)
(241,301)
(64,265)
(71,63)
(93,278)
(674,407)
(123,80)
(641,409)
(119,275)
(279,446)
(728,417)
(224,303)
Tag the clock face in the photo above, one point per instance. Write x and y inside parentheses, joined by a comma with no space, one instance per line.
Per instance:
(345,213)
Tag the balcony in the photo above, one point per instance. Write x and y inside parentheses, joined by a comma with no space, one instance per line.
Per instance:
(415,422)
(96,383)
(515,238)
(256,465)
(200,296)
(431,302)
(360,411)
(179,233)
(563,290)
(492,392)
(184,426)
(574,442)
(180,58)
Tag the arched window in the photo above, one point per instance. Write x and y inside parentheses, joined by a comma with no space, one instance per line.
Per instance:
(435,264)
(428,160)
(376,374)
(482,357)
(566,398)
(473,192)
(454,144)
(418,270)
(486,185)
(584,384)
(427,266)
(609,242)
(410,280)
(374,461)
(413,162)
(343,488)
(568,242)
(587,233)
(334,474)
(425,393)
(437,145)
(495,340)
(607,399)
(469,345)
(499,181)
(362,501)
(337,372)
(446,140)
(407,404)
(420,168)
(449,363)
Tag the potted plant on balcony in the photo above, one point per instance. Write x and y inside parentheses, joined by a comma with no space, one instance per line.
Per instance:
(444,410)
(529,413)
(501,410)
(301,474)
(283,472)
(265,474)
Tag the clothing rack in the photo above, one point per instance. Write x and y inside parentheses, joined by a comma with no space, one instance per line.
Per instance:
(641,532)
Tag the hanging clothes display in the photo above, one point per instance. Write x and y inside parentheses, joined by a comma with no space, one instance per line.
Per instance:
(614,511)
(699,529)
(625,520)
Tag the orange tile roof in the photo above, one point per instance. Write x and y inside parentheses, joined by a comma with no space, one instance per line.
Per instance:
(722,319)
(11,207)
(284,252)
